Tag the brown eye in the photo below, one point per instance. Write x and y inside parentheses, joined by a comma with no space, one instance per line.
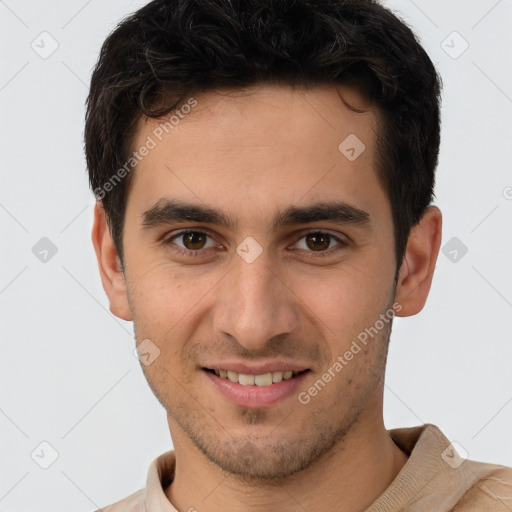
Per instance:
(318,241)
(190,243)
(321,243)
(193,240)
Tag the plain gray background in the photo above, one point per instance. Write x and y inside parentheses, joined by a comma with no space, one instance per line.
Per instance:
(68,374)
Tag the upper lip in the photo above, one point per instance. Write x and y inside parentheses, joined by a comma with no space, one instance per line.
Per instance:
(257,368)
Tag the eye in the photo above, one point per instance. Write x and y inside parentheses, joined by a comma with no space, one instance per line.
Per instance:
(193,242)
(319,242)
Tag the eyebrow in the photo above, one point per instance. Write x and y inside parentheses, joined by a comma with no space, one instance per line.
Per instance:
(167,211)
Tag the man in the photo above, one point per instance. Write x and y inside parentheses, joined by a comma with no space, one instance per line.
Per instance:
(264,174)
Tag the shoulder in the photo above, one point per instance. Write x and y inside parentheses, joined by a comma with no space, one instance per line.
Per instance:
(132,503)
(160,474)
(490,491)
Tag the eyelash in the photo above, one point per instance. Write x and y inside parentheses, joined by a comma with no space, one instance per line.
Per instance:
(189,252)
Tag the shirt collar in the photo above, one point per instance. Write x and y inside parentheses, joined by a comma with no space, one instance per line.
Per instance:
(418,442)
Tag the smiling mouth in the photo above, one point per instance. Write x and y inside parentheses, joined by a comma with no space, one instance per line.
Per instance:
(264,379)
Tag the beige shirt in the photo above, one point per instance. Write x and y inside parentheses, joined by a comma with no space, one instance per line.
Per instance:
(434,479)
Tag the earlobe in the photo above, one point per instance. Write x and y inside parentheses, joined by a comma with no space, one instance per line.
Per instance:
(109,264)
(417,269)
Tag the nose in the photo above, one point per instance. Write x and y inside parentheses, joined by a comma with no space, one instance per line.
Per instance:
(254,304)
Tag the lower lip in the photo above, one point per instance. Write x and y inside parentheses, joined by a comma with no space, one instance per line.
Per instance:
(256,396)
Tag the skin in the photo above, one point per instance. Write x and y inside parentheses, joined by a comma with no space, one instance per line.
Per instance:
(251,154)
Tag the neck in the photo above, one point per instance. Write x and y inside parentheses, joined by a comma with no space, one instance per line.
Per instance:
(350,477)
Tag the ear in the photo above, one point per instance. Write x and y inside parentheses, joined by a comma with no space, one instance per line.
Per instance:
(109,263)
(417,269)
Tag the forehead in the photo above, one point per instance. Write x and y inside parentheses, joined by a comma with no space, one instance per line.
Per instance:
(270,143)
(254,114)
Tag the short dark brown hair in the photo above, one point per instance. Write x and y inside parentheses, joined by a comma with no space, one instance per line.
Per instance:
(170,50)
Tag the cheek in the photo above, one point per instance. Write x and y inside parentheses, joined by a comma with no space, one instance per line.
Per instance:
(168,305)
(344,301)
(160,289)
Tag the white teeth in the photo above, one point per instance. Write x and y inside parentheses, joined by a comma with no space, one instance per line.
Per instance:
(246,380)
(265,379)
(277,376)
(232,376)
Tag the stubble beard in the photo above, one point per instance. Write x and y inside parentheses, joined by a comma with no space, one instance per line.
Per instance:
(271,458)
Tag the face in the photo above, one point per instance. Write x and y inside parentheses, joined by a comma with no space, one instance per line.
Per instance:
(254,245)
